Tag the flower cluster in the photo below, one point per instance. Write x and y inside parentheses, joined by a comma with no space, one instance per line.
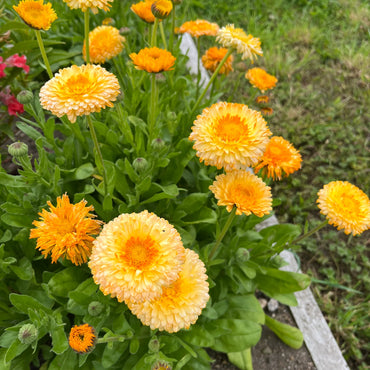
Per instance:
(14,61)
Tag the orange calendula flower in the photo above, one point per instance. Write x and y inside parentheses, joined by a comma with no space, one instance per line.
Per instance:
(200,27)
(105,42)
(162,8)
(246,45)
(66,231)
(82,338)
(247,192)
(135,256)
(180,303)
(280,158)
(345,206)
(267,111)
(260,79)
(36,14)
(153,60)
(77,91)
(212,58)
(262,99)
(230,135)
(85,5)
(143,9)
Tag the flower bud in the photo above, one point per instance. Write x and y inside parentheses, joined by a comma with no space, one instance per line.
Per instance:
(25,97)
(140,165)
(158,144)
(162,8)
(28,334)
(171,116)
(154,345)
(242,255)
(95,308)
(161,365)
(18,149)
(177,2)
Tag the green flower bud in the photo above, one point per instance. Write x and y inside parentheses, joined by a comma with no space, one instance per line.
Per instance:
(158,144)
(242,255)
(18,149)
(140,165)
(25,97)
(28,334)
(154,345)
(95,308)
(171,116)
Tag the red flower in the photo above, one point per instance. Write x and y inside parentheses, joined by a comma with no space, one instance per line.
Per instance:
(2,67)
(14,106)
(18,61)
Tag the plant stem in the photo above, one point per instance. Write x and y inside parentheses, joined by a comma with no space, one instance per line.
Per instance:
(43,53)
(215,73)
(87,47)
(249,364)
(152,110)
(198,67)
(154,33)
(309,233)
(96,144)
(172,35)
(222,234)
(163,35)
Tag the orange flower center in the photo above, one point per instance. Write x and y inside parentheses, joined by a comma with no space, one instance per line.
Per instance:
(140,252)
(231,128)
(349,205)
(78,84)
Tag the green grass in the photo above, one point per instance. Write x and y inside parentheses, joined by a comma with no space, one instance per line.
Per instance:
(319,51)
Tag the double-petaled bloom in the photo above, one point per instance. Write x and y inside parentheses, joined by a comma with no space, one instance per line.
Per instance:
(213,57)
(199,27)
(260,79)
(85,5)
(153,60)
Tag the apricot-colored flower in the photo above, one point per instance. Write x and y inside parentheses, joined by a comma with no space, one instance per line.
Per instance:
(105,42)
(143,9)
(180,303)
(153,60)
(76,91)
(345,206)
(260,79)
(247,45)
(135,256)
(212,58)
(162,8)
(230,135)
(66,231)
(82,338)
(247,192)
(200,27)
(36,14)
(280,158)
(85,5)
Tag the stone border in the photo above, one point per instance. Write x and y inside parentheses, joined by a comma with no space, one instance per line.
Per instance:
(318,337)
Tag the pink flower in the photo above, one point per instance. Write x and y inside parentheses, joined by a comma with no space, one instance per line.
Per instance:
(2,67)
(14,106)
(18,61)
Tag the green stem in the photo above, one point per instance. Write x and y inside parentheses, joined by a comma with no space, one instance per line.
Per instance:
(43,53)
(121,338)
(309,233)
(172,35)
(215,73)
(87,47)
(154,33)
(248,356)
(152,110)
(222,234)
(76,131)
(198,67)
(96,144)
(163,35)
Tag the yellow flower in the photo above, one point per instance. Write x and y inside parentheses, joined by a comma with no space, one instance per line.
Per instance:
(162,8)
(247,45)
(200,27)
(66,231)
(105,43)
(153,60)
(245,191)
(230,135)
(76,91)
(280,158)
(345,206)
(36,14)
(212,58)
(84,5)
(260,79)
(181,303)
(136,256)
(82,338)
(143,9)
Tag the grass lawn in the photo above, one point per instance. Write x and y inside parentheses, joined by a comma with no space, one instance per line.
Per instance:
(319,51)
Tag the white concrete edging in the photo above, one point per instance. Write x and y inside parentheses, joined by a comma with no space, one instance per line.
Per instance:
(317,335)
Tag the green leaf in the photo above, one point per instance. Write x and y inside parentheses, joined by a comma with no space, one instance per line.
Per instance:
(65,281)
(205,215)
(291,336)
(281,234)
(59,339)
(243,359)
(192,203)
(112,354)
(24,269)
(67,360)
(15,350)
(83,172)
(245,306)
(24,302)
(23,46)
(134,346)
(12,181)
(168,191)
(198,336)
